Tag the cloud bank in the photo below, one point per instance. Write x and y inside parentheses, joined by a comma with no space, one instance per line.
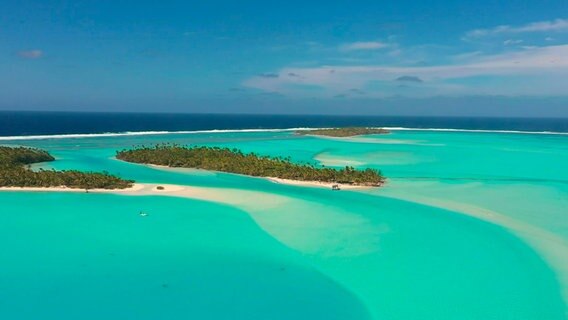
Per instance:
(363,45)
(558,25)
(537,70)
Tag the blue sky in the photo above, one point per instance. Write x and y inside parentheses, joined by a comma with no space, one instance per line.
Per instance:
(355,57)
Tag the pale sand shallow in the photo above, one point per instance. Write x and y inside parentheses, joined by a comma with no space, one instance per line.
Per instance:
(376,158)
(369,139)
(238,197)
(366,139)
(241,198)
(136,187)
(288,227)
(331,161)
(552,247)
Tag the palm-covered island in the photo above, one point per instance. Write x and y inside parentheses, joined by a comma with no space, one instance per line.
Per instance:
(251,164)
(15,172)
(343,132)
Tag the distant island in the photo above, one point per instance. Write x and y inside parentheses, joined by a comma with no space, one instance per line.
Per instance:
(15,172)
(343,132)
(251,164)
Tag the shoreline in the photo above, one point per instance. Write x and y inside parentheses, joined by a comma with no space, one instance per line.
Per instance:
(135,187)
(316,184)
(299,183)
(245,199)
(138,187)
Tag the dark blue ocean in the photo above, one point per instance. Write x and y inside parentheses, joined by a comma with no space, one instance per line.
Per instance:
(50,123)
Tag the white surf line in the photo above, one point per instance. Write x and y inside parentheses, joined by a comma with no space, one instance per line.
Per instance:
(149,133)
(474,130)
(139,133)
(553,248)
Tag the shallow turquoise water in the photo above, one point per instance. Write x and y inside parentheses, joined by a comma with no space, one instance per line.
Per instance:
(322,255)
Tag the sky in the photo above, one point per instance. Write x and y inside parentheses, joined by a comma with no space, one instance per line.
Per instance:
(450,57)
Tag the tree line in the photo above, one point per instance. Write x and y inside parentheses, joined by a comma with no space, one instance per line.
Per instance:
(252,164)
(16,172)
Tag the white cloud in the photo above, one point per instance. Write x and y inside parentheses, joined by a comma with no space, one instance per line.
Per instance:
(558,25)
(546,66)
(363,45)
(511,42)
(31,54)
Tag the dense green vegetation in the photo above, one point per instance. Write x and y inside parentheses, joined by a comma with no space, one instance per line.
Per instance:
(14,172)
(22,156)
(343,132)
(235,161)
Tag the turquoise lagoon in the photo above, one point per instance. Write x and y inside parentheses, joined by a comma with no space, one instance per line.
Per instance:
(469,226)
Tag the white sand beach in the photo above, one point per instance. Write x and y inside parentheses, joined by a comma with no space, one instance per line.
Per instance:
(241,198)
(135,188)
(317,184)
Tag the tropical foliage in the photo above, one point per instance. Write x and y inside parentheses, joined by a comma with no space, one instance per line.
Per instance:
(235,161)
(343,132)
(15,172)
(22,156)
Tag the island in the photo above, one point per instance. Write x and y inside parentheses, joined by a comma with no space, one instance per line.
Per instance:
(250,164)
(343,132)
(15,171)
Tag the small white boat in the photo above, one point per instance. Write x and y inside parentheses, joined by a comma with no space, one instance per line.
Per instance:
(143,214)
